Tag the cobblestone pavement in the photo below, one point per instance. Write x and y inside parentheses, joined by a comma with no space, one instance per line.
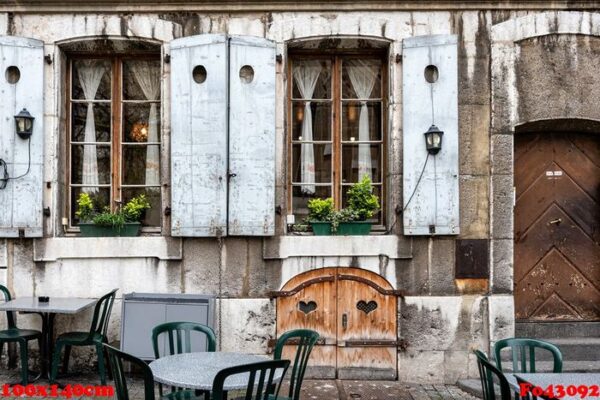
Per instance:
(311,389)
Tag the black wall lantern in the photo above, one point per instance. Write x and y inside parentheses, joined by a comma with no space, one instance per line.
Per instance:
(433,140)
(24,124)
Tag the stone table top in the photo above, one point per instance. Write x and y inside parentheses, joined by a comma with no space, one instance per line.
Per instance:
(544,380)
(198,370)
(56,305)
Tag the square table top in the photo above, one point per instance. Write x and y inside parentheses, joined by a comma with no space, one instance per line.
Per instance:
(56,305)
(544,380)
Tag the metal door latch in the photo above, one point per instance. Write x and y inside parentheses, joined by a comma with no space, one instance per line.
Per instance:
(344,321)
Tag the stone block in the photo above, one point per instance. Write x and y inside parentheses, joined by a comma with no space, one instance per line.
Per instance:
(502,154)
(21,273)
(456,365)
(413,274)
(243,268)
(502,266)
(502,207)
(474,139)
(247,325)
(3,254)
(501,317)
(421,366)
(474,207)
(441,267)
(201,266)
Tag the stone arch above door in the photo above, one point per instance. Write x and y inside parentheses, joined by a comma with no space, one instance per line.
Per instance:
(355,313)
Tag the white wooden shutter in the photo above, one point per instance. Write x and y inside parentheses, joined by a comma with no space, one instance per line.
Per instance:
(434,208)
(252,136)
(199,136)
(21,200)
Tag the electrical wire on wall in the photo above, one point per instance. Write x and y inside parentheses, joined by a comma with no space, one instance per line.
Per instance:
(4,177)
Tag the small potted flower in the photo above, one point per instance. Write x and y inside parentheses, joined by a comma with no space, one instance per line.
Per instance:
(125,221)
(362,205)
(320,216)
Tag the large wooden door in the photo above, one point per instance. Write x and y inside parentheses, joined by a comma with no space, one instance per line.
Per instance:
(355,313)
(557,227)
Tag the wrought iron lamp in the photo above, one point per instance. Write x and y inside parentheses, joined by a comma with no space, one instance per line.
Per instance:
(433,140)
(24,124)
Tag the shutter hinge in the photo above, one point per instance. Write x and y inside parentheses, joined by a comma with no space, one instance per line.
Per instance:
(167,58)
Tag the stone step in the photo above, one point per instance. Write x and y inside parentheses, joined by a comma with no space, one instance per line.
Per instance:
(572,349)
(542,330)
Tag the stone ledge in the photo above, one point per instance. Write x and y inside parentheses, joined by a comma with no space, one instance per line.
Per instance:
(161,247)
(392,246)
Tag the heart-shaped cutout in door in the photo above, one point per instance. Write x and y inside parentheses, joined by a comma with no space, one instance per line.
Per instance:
(366,307)
(307,307)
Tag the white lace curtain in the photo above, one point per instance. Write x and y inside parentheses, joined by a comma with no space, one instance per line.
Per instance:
(363,75)
(147,75)
(306,74)
(90,73)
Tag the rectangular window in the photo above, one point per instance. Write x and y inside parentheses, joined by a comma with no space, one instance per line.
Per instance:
(337,123)
(114,132)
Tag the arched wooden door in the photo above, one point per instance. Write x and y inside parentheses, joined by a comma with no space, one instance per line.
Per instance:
(354,311)
(557,227)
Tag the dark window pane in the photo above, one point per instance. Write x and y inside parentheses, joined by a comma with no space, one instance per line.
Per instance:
(150,217)
(141,79)
(101,126)
(91,80)
(301,195)
(354,160)
(377,191)
(141,122)
(351,114)
(311,76)
(320,163)
(102,158)
(140,162)
(361,79)
(100,198)
(321,121)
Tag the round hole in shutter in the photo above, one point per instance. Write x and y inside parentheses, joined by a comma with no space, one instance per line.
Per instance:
(247,74)
(431,73)
(12,74)
(199,74)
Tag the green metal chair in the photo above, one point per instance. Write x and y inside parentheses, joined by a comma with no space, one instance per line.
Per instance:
(260,379)
(95,337)
(179,339)
(305,340)
(21,336)
(523,354)
(487,372)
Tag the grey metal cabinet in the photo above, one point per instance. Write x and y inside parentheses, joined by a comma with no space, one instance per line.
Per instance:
(141,312)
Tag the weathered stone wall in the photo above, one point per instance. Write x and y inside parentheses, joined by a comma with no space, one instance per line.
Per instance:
(439,323)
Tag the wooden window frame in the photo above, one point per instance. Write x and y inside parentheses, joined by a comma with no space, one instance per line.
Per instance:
(336,56)
(116,144)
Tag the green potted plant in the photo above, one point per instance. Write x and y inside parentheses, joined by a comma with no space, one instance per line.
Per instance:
(320,214)
(125,221)
(362,205)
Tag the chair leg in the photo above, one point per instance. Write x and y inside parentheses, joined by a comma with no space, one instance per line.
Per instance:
(24,361)
(66,357)
(55,360)
(100,353)
(108,366)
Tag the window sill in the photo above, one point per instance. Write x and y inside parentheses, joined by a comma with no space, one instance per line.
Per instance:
(392,246)
(161,247)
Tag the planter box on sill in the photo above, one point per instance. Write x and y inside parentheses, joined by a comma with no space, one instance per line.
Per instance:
(93,230)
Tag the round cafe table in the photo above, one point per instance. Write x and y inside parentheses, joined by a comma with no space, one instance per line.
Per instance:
(198,370)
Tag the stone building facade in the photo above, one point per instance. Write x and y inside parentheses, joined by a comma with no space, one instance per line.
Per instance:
(519,67)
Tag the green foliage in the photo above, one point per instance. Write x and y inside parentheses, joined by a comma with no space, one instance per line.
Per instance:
(320,210)
(343,215)
(362,200)
(85,207)
(130,212)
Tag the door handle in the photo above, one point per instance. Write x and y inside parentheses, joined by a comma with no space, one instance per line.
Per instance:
(555,221)
(344,321)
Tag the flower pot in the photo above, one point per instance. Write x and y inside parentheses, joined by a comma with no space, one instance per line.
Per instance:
(93,230)
(354,228)
(321,228)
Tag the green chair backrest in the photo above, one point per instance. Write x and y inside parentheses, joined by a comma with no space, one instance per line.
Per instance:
(10,316)
(305,339)
(260,379)
(180,338)
(487,372)
(102,314)
(523,353)
(116,358)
